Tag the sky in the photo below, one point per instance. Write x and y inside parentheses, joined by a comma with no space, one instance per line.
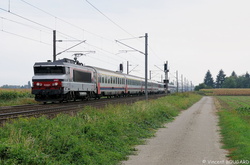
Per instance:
(194,36)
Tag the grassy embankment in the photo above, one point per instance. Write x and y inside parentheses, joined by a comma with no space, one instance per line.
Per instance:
(235,126)
(93,136)
(10,97)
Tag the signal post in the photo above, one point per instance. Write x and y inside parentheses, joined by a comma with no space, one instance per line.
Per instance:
(166,81)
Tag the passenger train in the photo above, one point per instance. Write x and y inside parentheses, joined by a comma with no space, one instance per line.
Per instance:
(67,79)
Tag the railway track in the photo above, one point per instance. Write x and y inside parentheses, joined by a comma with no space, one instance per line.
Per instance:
(13,112)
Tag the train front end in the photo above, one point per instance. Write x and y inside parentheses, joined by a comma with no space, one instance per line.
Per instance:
(48,81)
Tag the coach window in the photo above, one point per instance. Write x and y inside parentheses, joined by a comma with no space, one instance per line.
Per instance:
(106,80)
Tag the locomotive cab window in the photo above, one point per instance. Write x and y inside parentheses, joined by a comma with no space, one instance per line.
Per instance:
(49,70)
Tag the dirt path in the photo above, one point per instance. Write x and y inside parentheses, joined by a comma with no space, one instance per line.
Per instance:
(191,139)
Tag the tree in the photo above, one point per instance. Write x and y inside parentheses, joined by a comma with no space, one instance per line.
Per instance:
(201,86)
(233,74)
(247,75)
(230,82)
(208,80)
(220,79)
(29,84)
(247,80)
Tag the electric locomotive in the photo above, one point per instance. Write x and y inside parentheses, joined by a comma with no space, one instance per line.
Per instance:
(63,80)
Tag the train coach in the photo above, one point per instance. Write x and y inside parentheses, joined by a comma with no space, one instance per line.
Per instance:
(66,79)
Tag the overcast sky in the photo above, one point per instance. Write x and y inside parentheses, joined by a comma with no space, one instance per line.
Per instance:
(194,36)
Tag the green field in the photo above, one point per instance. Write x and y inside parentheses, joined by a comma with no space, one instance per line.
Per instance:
(235,125)
(10,97)
(94,136)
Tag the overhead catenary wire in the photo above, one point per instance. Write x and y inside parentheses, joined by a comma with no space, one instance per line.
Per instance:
(109,18)
(23,24)
(66,35)
(52,15)
(64,22)
(133,37)
(103,50)
(14,34)
(27,19)
(46,12)
(67,22)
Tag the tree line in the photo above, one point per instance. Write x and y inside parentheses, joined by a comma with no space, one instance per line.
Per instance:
(222,81)
(26,86)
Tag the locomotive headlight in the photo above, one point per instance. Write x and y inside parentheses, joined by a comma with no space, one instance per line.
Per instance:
(38,84)
(55,84)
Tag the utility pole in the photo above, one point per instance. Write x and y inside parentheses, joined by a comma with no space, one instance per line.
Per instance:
(182,83)
(185,84)
(166,81)
(127,67)
(191,85)
(177,82)
(146,60)
(146,66)
(54,45)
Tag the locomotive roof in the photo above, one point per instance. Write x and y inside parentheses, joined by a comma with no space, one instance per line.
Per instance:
(57,62)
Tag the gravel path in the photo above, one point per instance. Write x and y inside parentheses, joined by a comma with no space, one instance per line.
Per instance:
(191,139)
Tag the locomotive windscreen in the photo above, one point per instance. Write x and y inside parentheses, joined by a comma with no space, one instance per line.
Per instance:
(79,76)
(49,70)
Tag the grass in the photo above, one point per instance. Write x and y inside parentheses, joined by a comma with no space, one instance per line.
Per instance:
(235,125)
(226,92)
(94,136)
(10,97)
